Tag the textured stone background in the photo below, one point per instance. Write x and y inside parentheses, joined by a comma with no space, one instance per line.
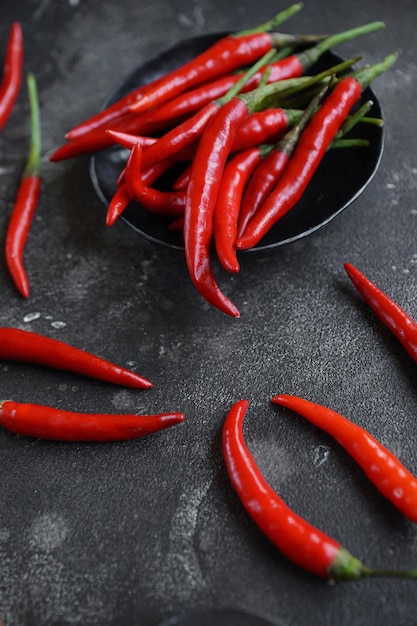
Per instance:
(130,533)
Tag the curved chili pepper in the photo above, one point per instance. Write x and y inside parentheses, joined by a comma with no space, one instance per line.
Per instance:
(403,327)
(309,153)
(270,169)
(28,347)
(234,180)
(206,173)
(303,544)
(170,203)
(383,468)
(27,199)
(12,72)
(225,55)
(44,422)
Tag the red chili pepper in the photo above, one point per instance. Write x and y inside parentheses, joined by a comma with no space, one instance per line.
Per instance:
(234,180)
(169,203)
(260,127)
(309,153)
(269,170)
(12,73)
(229,53)
(25,346)
(44,422)
(27,199)
(119,201)
(382,467)
(303,544)
(403,327)
(206,173)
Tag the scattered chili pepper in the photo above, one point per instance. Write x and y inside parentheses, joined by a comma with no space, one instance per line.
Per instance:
(27,199)
(44,422)
(12,73)
(303,544)
(403,327)
(29,347)
(229,53)
(381,466)
(309,152)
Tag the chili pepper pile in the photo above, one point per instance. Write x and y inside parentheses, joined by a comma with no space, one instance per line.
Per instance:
(239,122)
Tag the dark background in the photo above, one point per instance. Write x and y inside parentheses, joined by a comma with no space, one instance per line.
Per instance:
(128,534)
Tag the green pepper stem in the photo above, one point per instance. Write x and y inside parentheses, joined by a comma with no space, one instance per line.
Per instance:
(311,55)
(347,567)
(350,143)
(367,74)
(278,19)
(260,98)
(33,164)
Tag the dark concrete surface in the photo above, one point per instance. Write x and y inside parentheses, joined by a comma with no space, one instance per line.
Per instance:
(129,534)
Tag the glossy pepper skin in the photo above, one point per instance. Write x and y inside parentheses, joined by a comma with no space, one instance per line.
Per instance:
(307,156)
(229,53)
(383,468)
(403,327)
(205,177)
(299,541)
(27,199)
(12,73)
(29,347)
(35,420)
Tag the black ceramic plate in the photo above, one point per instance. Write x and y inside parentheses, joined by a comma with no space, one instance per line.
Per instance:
(217,617)
(340,179)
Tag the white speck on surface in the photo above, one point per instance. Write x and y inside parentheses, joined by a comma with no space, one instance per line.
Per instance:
(31,317)
(58,324)
(321,454)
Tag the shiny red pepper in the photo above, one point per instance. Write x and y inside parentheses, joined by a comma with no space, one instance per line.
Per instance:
(234,180)
(26,201)
(383,468)
(44,422)
(269,170)
(229,53)
(309,152)
(12,73)
(206,173)
(303,544)
(29,347)
(169,203)
(403,327)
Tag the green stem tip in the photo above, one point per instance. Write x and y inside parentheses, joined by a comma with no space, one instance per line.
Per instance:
(347,567)
(33,165)
(278,19)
